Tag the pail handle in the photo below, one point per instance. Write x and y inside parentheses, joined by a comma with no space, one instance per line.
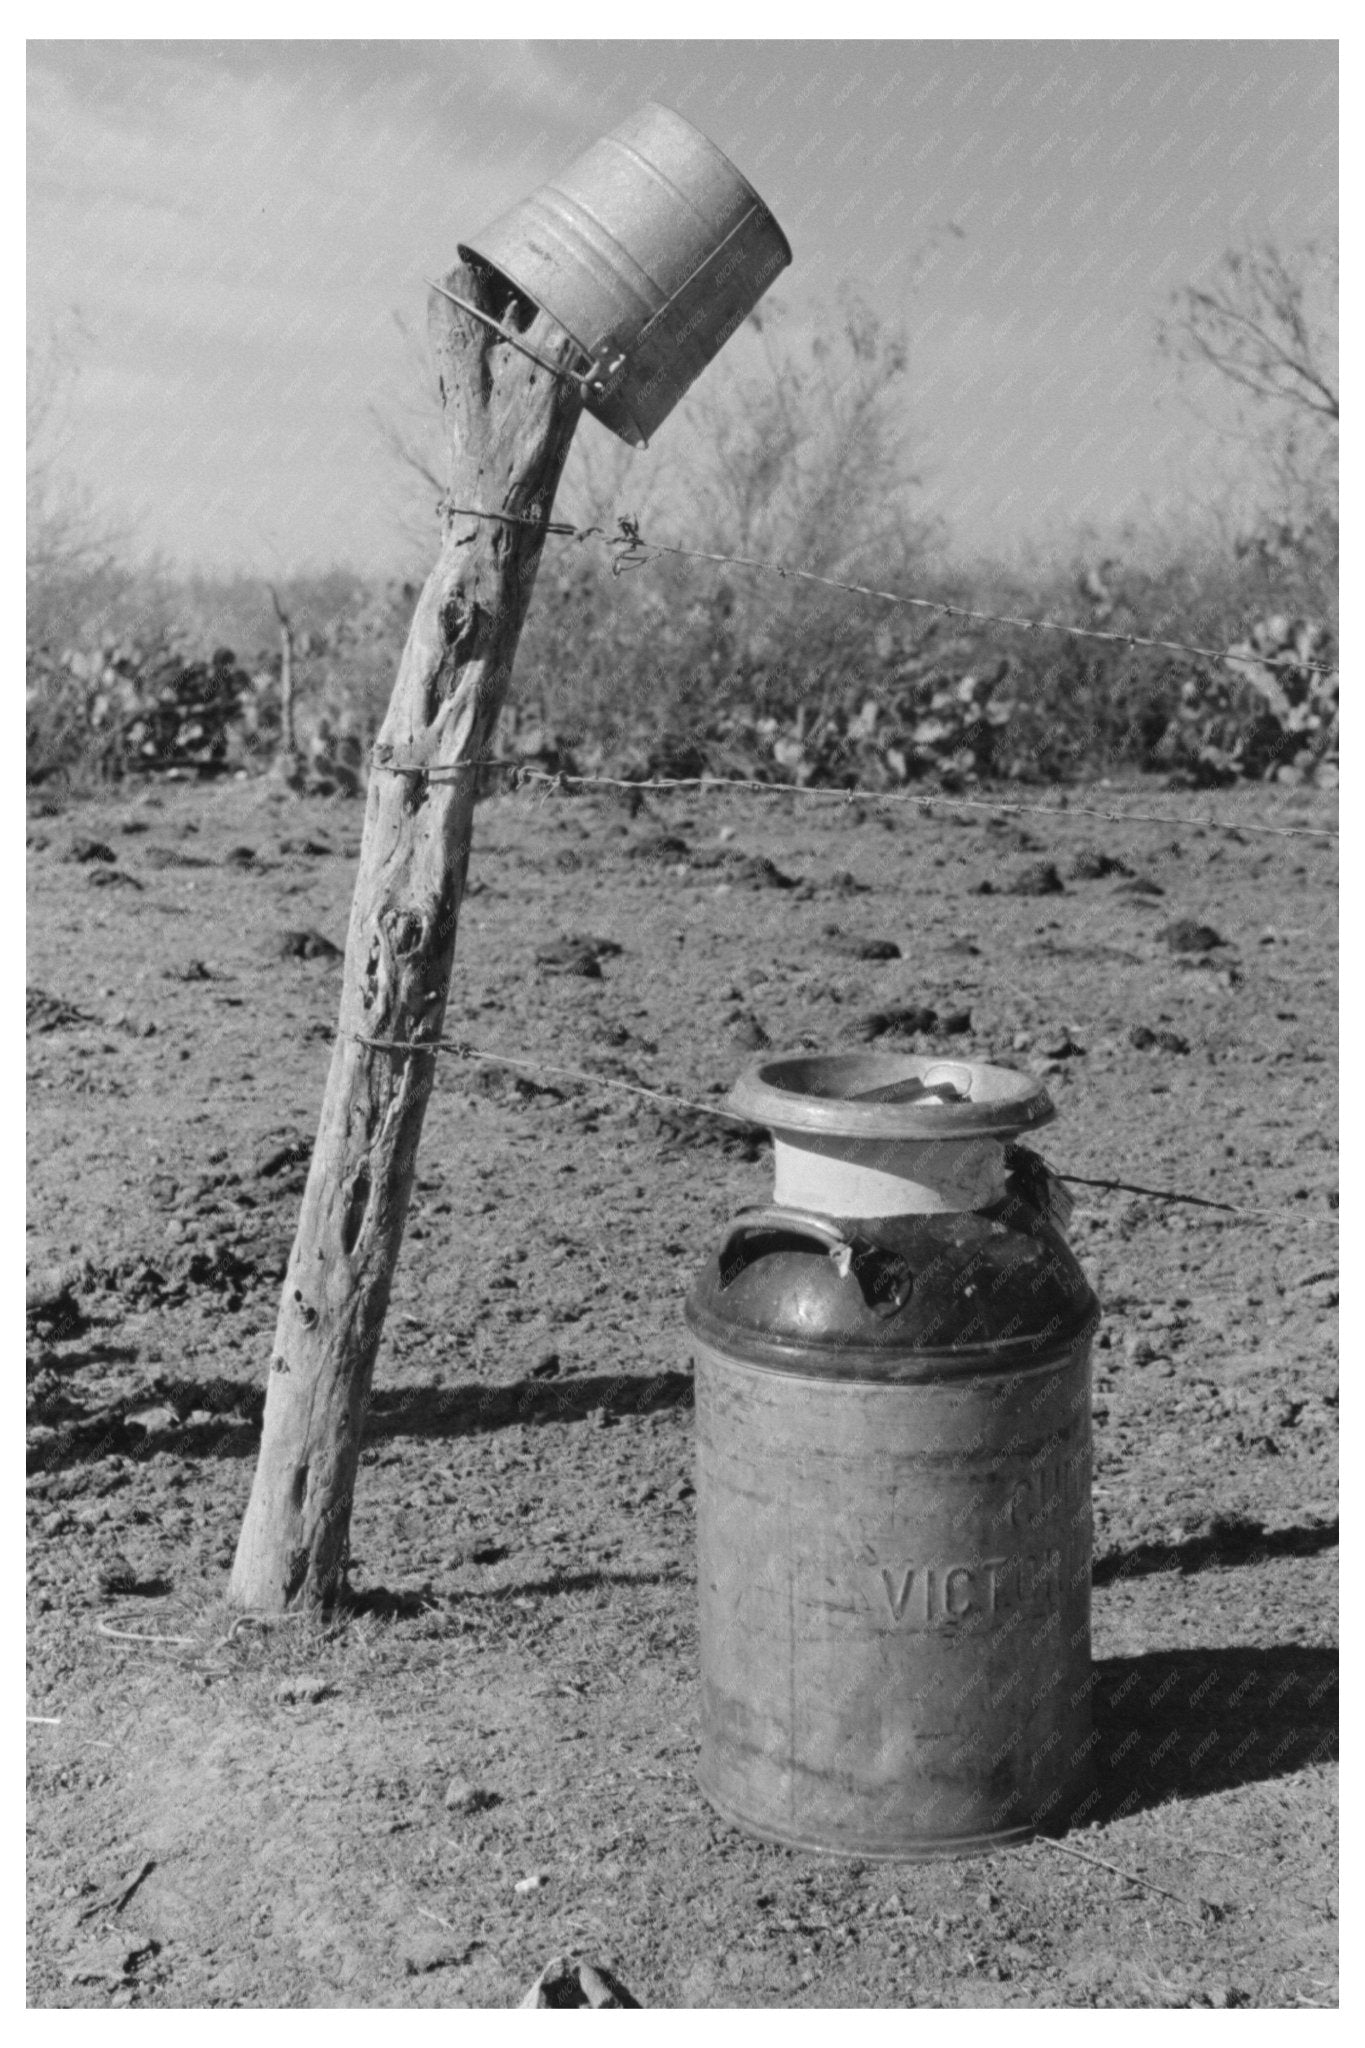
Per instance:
(711,256)
(846,1253)
(600,369)
(579,377)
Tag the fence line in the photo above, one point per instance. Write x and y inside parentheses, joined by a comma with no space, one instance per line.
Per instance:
(630,549)
(566,783)
(611,1083)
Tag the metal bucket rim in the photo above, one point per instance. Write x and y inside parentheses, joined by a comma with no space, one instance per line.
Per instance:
(1006,1104)
(907,1848)
(633,432)
(469,254)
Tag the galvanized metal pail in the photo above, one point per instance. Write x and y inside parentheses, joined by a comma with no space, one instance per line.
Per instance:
(649,251)
(893,1469)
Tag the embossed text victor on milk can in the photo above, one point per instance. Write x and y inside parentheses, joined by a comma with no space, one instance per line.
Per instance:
(893,1440)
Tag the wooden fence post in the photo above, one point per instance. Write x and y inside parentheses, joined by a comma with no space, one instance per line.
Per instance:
(508,424)
(286,761)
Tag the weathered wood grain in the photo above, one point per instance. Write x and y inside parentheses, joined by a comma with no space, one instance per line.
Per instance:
(508,424)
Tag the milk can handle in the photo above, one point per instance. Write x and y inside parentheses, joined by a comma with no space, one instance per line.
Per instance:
(843,1250)
(800,1223)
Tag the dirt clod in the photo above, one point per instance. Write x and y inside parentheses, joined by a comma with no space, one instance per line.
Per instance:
(1141,885)
(280,1152)
(424,1948)
(756,870)
(1144,1037)
(51,1305)
(306,945)
(463,1797)
(116,1575)
(748,1033)
(572,957)
(44,1012)
(1185,935)
(1038,878)
(1090,865)
(172,857)
(664,848)
(912,1020)
(302,1691)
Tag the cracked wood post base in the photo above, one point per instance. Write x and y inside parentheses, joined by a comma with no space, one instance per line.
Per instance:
(508,424)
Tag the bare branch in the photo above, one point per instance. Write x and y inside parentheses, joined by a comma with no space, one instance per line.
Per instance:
(1257,328)
(1211,315)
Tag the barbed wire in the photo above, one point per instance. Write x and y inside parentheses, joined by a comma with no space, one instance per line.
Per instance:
(630,549)
(462,1050)
(569,783)
(612,1083)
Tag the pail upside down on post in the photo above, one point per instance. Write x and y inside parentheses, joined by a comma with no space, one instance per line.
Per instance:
(893,1443)
(649,251)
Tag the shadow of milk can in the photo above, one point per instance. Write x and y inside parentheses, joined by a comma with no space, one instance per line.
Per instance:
(649,251)
(893,1494)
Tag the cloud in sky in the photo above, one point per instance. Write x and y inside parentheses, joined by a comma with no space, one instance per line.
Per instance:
(238,223)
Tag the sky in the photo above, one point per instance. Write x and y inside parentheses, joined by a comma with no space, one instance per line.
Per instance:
(237,232)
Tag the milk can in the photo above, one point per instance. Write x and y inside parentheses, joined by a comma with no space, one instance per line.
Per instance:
(649,250)
(892,1368)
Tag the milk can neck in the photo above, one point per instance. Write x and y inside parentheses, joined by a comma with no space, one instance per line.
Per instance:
(843,1176)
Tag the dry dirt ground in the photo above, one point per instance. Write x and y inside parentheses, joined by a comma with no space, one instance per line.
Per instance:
(488,1759)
